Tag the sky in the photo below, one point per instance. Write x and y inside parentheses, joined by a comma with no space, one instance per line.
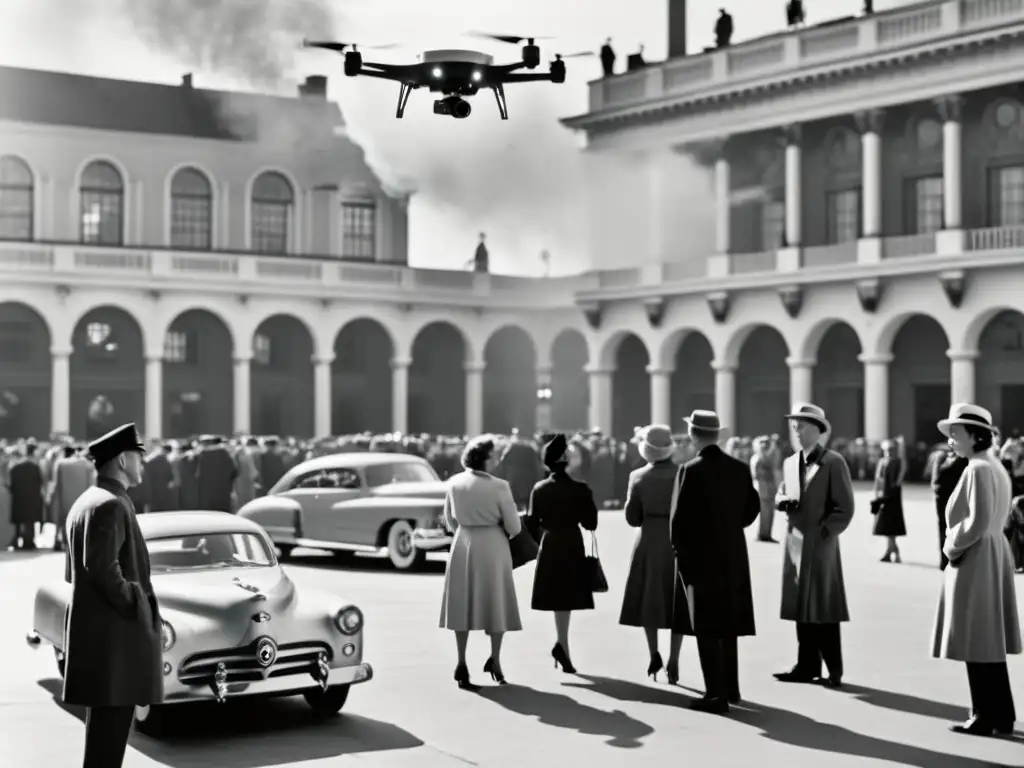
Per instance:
(519,180)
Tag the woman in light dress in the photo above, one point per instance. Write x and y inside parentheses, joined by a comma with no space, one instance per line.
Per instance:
(977,619)
(479,591)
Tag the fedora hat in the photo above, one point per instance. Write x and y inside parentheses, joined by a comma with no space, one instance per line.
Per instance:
(655,442)
(967,414)
(705,421)
(812,413)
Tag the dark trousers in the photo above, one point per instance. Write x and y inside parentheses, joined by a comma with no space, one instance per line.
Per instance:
(991,697)
(106,736)
(720,664)
(940,510)
(817,643)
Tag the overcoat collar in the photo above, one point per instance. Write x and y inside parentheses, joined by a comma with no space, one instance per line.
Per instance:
(112,485)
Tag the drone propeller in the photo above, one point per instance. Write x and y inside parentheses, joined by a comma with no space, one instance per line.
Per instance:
(511,39)
(342,47)
(577,55)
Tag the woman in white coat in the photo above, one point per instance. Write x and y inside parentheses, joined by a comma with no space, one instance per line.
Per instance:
(977,619)
(479,591)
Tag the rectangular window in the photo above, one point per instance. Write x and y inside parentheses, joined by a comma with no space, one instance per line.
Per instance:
(102,218)
(773,225)
(1006,196)
(191,222)
(181,347)
(270,226)
(15,213)
(261,349)
(359,230)
(925,205)
(843,216)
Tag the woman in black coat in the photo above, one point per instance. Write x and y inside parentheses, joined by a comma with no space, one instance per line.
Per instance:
(559,505)
(888,504)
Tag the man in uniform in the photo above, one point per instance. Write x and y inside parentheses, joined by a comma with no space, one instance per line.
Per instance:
(215,474)
(113,634)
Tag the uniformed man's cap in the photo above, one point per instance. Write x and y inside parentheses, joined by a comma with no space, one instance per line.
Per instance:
(114,443)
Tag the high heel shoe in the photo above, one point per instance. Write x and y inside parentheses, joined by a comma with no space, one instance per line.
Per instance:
(498,677)
(896,557)
(655,666)
(672,672)
(462,678)
(886,558)
(562,658)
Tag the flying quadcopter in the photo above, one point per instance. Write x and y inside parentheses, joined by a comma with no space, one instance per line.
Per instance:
(456,74)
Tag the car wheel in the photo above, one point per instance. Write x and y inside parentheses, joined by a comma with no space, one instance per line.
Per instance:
(329,702)
(58,654)
(401,552)
(150,720)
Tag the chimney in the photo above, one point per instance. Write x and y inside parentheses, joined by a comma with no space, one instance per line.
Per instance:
(186,80)
(315,87)
(676,28)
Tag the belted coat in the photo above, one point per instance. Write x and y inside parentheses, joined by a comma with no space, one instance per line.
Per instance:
(112,636)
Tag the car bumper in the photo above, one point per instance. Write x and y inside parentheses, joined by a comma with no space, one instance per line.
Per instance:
(274,686)
(431,539)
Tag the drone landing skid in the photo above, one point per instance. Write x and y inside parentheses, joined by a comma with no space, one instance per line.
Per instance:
(403,98)
(499,96)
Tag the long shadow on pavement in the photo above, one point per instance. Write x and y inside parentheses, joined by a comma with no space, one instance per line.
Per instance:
(354,562)
(902,702)
(562,711)
(257,734)
(623,690)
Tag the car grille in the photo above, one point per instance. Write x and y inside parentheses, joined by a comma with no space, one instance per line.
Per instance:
(242,666)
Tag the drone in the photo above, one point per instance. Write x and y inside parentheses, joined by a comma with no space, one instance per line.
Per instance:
(455,74)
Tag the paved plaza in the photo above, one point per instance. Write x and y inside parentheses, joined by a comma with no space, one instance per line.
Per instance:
(894,710)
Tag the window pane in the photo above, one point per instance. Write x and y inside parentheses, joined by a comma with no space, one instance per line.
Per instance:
(191,221)
(773,225)
(843,216)
(189,181)
(102,176)
(928,203)
(261,349)
(270,226)
(273,188)
(1010,195)
(102,217)
(359,230)
(16,210)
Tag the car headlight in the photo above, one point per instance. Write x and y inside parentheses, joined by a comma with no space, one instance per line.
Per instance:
(167,636)
(349,620)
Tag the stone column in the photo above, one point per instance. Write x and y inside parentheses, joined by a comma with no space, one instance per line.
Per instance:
(794,188)
(962,375)
(723,212)
(154,396)
(400,394)
(474,398)
(661,395)
(876,396)
(242,396)
(60,390)
(322,401)
(801,380)
(950,108)
(870,124)
(600,382)
(725,394)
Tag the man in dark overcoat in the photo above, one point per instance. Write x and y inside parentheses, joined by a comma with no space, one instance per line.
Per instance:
(520,467)
(26,483)
(946,470)
(113,650)
(714,501)
(215,473)
(160,481)
(817,494)
(185,469)
(271,464)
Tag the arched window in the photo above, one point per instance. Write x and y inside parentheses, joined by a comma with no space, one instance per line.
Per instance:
(273,203)
(1005,123)
(191,210)
(924,192)
(16,199)
(102,209)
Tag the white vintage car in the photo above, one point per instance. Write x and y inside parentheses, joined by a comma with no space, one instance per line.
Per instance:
(233,622)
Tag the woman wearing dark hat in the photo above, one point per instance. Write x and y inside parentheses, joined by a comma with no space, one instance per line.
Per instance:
(887,506)
(559,505)
(977,620)
(648,598)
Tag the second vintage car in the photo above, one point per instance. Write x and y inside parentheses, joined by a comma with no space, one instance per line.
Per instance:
(234,624)
(380,503)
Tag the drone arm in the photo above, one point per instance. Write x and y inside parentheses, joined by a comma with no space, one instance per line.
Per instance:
(526,77)
(385,75)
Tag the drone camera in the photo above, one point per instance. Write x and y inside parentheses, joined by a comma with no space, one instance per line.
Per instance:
(454,106)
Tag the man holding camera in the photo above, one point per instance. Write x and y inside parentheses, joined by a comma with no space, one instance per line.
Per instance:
(817,495)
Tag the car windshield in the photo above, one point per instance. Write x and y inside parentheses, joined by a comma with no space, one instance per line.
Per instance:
(399,472)
(208,551)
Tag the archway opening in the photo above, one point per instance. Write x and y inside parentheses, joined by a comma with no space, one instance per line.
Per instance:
(570,387)
(198,376)
(762,384)
(108,373)
(437,381)
(361,379)
(281,378)
(919,388)
(693,380)
(631,387)
(510,382)
(25,376)
(838,381)
(999,370)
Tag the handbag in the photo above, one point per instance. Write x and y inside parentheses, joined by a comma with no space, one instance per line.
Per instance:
(523,547)
(593,573)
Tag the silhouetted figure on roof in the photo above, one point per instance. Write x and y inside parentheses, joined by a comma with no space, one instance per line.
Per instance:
(723,28)
(869,7)
(481,259)
(608,58)
(636,60)
(795,14)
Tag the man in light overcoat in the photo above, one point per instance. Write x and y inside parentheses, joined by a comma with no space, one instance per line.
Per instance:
(817,494)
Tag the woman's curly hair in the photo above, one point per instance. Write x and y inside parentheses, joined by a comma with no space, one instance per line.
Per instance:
(477,453)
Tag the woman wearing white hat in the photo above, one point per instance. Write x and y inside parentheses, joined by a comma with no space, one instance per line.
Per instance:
(977,619)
